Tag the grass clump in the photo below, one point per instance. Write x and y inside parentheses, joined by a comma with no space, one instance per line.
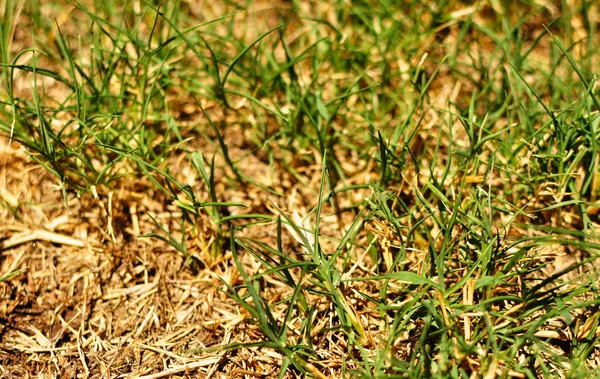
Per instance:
(387,189)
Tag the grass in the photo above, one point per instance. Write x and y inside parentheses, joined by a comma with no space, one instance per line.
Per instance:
(369,189)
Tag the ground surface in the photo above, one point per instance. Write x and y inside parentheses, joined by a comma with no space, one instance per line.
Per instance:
(322,189)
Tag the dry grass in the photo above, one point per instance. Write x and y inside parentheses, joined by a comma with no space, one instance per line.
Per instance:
(457,227)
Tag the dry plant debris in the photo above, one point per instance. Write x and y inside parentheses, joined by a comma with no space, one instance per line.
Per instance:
(299,189)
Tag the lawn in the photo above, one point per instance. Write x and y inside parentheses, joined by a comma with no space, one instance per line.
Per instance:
(322,189)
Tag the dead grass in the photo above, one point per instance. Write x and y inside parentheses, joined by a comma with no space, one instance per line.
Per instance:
(94,298)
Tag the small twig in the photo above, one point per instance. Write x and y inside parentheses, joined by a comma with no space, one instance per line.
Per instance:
(40,235)
(188,366)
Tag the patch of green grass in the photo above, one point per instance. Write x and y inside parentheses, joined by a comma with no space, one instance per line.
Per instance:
(477,126)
